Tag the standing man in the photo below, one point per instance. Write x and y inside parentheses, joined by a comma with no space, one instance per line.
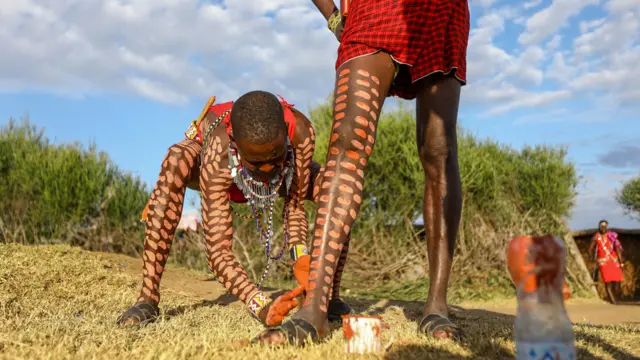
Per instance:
(413,49)
(610,262)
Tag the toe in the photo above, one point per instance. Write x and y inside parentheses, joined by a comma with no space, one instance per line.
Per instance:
(272,337)
(441,334)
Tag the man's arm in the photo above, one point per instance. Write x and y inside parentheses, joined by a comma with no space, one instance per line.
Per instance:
(326,7)
(298,223)
(619,253)
(217,223)
(215,181)
(592,246)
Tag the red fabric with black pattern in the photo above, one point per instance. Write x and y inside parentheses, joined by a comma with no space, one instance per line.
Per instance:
(430,36)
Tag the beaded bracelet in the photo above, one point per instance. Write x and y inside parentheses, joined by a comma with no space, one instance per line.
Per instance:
(258,302)
(334,21)
(298,251)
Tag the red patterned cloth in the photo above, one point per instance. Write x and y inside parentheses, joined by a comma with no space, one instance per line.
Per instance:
(235,194)
(428,35)
(608,258)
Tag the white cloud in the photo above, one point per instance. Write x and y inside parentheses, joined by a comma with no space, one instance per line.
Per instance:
(619,6)
(167,50)
(531,100)
(177,50)
(532,4)
(559,71)
(554,43)
(500,79)
(609,51)
(548,20)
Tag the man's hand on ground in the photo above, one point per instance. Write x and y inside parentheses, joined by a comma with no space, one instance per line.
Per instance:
(281,306)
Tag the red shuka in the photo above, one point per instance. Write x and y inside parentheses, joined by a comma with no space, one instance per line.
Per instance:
(430,36)
(608,259)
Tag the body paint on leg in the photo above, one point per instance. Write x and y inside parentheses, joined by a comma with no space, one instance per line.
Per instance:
(164,212)
(340,192)
(342,261)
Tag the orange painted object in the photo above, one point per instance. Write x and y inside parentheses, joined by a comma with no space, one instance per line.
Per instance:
(282,306)
(535,260)
(566,292)
(145,212)
(301,270)
(344,7)
(363,334)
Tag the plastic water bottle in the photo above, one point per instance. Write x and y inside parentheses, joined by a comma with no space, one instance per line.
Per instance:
(542,328)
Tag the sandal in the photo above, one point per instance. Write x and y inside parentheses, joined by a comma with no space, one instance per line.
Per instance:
(433,322)
(294,331)
(337,308)
(141,313)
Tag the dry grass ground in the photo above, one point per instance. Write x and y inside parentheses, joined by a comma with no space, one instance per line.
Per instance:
(58,302)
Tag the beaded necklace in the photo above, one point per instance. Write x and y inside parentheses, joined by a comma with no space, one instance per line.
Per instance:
(260,195)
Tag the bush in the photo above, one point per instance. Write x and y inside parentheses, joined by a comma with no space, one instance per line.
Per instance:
(629,197)
(51,191)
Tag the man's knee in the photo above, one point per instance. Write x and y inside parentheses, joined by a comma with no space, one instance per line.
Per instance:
(348,138)
(181,156)
(437,150)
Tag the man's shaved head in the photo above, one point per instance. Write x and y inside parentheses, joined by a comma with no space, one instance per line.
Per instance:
(257,117)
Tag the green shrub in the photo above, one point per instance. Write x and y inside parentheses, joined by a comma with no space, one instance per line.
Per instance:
(629,197)
(49,190)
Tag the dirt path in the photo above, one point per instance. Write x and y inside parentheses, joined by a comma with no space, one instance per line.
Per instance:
(196,284)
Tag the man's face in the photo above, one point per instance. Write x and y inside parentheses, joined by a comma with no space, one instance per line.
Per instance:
(263,162)
(603,227)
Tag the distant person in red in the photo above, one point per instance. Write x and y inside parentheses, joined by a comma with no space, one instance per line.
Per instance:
(609,258)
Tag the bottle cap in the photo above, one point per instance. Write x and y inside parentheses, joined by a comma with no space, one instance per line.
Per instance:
(536,260)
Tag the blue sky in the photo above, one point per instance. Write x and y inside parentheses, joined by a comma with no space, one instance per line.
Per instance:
(131,75)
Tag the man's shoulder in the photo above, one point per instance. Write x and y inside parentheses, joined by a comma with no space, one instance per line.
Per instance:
(300,116)
(302,122)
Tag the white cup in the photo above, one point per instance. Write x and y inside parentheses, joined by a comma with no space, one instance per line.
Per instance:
(363,334)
